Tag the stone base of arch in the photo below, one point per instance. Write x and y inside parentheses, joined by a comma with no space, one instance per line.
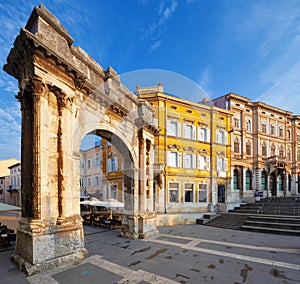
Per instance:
(45,245)
(139,226)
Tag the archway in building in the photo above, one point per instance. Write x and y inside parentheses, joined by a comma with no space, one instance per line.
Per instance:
(248,180)
(264,180)
(65,95)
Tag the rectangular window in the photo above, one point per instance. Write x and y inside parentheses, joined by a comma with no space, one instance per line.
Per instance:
(112,164)
(114,191)
(203,134)
(221,137)
(189,161)
(173,128)
(222,164)
(189,192)
(203,162)
(172,159)
(173,192)
(188,131)
(202,194)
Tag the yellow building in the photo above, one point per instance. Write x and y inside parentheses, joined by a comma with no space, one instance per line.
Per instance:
(192,153)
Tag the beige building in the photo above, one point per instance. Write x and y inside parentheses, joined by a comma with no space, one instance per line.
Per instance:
(5,179)
(14,188)
(265,147)
(101,174)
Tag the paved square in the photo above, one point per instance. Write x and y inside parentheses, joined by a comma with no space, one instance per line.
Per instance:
(86,273)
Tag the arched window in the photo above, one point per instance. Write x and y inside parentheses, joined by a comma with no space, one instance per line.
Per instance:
(279,182)
(236,145)
(248,180)
(235,179)
(273,149)
(272,129)
(264,149)
(263,181)
(248,148)
(281,151)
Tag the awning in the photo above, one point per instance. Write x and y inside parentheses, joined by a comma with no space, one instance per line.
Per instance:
(7,207)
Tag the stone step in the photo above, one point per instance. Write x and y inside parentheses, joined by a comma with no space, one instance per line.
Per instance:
(275,218)
(271,230)
(269,224)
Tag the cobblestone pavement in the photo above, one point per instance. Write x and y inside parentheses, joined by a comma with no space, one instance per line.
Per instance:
(180,254)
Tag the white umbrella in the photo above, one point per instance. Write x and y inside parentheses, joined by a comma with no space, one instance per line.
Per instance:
(112,203)
(7,207)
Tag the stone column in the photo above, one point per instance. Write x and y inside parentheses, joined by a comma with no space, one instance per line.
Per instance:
(65,156)
(43,240)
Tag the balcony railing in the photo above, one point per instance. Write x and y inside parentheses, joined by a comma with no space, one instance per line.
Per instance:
(13,187)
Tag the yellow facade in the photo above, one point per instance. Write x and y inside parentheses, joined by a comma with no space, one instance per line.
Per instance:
(192,153)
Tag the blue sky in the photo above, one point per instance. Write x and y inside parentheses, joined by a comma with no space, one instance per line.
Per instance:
(247,47)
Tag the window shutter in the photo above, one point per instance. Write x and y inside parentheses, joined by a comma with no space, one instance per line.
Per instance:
(108,165)
(199,133)
(168,158)
(225,164)
(179,155)
(207,163)
(116,164)
(184,131)
(225,138)
(179,129)
(169,127)
(218,164)
(194,133)
(218,136)
(199,162)
(184,161)
(194,161)
(207,135)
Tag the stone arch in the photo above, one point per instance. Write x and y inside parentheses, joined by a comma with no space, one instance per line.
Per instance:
(64,95)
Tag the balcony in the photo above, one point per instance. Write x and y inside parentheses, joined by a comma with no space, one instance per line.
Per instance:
(13,187)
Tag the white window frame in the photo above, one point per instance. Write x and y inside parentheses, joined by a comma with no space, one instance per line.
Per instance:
(112,164)
(222,164)
(189,161)
(170,163)
(170,189)
(189,131)
(202,190)
(203,134)
(116,189)
(203,162)
(193,191)
(170,131)
(222,137)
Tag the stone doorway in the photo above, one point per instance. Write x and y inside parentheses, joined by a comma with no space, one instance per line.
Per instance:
(64,95)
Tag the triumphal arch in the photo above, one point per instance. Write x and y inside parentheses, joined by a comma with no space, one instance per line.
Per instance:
(64,94)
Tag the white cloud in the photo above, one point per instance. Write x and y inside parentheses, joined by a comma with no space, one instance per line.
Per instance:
(205,81)
(274,32)
(155,31)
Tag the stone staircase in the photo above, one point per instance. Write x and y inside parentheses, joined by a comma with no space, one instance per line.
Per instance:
(276,215)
